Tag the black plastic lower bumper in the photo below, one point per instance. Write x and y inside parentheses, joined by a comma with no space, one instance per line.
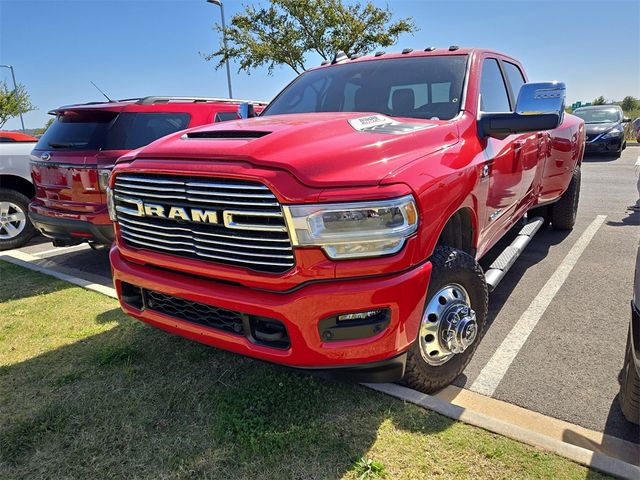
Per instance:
(389,370)
(72,232)
(604,146)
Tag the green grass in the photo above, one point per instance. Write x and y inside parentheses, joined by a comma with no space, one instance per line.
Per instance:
(86,392)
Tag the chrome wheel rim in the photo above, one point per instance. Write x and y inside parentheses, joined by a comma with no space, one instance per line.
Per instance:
(12,220)
(448,325)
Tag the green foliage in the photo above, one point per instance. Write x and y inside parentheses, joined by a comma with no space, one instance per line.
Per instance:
(367,468)
(629,103)
(284,32)
(41,130)
(599,101)
(11,105)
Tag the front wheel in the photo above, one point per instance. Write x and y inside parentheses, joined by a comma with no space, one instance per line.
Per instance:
(452,323)
(15,227)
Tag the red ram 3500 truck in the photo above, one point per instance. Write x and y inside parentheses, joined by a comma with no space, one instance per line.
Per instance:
(342,228)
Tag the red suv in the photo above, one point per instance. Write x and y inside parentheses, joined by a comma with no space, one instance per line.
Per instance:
(71,163)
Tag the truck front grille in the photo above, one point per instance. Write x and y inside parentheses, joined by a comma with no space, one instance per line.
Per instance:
(245,228)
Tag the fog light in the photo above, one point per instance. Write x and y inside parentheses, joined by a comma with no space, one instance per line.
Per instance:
(355,325)
(359,315)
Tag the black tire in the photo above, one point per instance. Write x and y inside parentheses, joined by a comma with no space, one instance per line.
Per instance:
(565,210)
(450,266)
(22,202)
(630,387)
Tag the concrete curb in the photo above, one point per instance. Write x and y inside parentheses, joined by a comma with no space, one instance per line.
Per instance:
(589,458)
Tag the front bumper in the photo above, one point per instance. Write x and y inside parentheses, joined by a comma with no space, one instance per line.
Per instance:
(299,310)
(70,231)
(604,145)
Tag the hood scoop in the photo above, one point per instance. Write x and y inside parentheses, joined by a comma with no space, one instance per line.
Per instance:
(226,134)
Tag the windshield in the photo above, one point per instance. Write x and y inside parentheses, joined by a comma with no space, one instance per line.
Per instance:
(599,115)
(419,87)
(104,130)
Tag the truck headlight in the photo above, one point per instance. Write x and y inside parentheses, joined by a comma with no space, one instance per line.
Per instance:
(352,230)
(103,179)
(111,205)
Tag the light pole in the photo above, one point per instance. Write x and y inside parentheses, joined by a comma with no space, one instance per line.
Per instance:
(224,42)
(15,91)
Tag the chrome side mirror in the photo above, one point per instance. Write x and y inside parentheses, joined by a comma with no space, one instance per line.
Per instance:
(541,98)
(540,106)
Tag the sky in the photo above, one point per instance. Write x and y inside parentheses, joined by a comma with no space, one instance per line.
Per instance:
(134,48)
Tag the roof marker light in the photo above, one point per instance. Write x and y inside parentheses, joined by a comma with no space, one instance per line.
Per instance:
(339,57)
(429,49)
(380,53)
(407,50)
(453,47)
(325,62)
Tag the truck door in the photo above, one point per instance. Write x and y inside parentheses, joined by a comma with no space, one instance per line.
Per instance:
(530,149)
(510,163)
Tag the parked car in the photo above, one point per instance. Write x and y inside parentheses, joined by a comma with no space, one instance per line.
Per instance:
(605,128)
(630,384)
(342,228)
(16,190)
(72,161)
(12,137)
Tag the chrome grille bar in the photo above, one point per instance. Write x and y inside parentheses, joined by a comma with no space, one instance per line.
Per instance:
(251,231)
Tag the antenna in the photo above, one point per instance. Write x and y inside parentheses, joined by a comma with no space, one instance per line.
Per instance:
(98,88)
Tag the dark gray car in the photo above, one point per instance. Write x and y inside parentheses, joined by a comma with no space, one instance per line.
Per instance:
(630,385)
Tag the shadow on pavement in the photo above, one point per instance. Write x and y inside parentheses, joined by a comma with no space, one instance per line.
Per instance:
(632,218)
(600,157)
(535,252)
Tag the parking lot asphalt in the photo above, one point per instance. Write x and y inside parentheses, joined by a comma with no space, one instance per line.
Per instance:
(565,302)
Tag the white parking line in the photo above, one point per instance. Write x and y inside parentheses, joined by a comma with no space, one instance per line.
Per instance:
(495,369)
(61,250)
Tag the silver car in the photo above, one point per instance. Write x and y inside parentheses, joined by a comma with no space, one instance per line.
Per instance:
(16,190)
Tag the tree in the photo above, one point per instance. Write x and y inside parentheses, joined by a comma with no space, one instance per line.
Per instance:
(12,105)
(41,130)
(288,29)
(598,101)
(629,103)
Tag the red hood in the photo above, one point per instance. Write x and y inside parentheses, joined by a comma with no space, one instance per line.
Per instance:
(320,149)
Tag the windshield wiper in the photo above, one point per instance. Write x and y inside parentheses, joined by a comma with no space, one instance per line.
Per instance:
(66,145)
